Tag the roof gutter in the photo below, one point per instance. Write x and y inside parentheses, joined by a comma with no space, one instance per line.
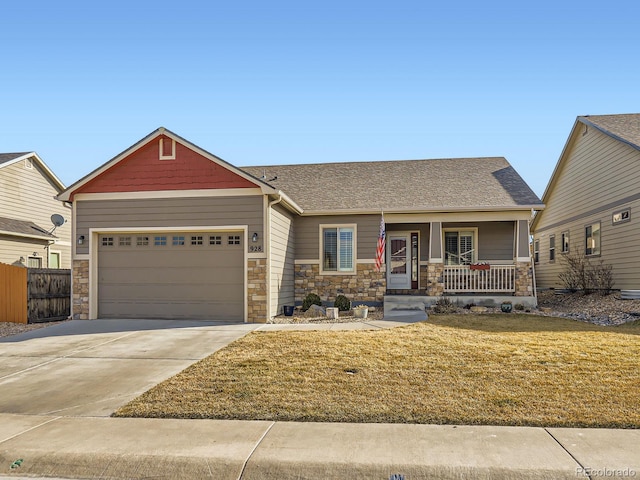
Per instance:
(376,211)
(25,235)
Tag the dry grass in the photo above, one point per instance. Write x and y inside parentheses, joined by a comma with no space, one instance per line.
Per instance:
(453,369)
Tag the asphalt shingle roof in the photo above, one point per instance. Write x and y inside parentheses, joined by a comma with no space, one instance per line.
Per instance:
(402,185)
(625,126)
(23,227)
(7,157)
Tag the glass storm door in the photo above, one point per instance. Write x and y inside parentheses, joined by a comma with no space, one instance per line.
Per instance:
(399,266)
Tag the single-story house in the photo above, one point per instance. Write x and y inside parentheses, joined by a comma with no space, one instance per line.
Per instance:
(167,229)
(591,200)
(28,207)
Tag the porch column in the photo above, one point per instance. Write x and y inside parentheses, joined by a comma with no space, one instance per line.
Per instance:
(523,274)
(435,268)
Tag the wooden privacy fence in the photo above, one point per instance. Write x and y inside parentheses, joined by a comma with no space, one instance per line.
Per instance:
(33,295)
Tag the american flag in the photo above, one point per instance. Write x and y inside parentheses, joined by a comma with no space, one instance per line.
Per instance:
(381,244)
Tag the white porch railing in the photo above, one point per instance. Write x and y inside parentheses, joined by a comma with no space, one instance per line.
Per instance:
(462,279)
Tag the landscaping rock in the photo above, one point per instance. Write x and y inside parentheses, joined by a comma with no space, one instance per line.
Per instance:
(315,311)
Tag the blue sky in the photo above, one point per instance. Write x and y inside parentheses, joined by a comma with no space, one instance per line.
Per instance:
(298,82)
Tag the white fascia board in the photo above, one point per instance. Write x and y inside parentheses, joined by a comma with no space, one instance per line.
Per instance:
(25,235)
(43,165)
(426,210)
(228,192)
(66,195)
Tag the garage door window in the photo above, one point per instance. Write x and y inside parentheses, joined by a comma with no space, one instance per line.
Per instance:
(160,241)
(177,241)
(197,240)
(234,239)
(125,242)
(107,241)
(215,240)
(142,241)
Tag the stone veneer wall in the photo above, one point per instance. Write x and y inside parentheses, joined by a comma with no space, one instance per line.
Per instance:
(435,279)
(257,290)
(367,285)
(80,294)
(524,279)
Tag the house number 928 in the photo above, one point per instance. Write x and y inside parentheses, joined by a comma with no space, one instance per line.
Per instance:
(255,248)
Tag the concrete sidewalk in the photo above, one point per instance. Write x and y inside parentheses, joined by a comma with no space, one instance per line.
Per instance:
(98,447)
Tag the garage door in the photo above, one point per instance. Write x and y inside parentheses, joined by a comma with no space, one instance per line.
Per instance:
(171,275)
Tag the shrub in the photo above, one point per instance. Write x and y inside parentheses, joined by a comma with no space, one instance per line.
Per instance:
(311,299)
(342,303)
(519,306)
(580,274)
(444,305)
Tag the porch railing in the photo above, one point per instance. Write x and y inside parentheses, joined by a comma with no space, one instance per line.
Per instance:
(462,279)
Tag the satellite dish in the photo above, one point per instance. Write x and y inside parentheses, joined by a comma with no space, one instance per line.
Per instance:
(57,220)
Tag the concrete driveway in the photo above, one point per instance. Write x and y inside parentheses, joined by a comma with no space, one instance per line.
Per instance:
(92,367)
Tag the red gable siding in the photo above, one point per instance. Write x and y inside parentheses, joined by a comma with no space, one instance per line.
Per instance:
(143,171)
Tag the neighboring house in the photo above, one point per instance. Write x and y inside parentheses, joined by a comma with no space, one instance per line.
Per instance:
(591,200)
(166,229)
(27,202)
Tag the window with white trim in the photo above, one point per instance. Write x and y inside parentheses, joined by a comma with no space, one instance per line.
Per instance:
(338,249)
(34,262)
(552,248)
(565,242)
(592,237)
(536,251)
(459,247)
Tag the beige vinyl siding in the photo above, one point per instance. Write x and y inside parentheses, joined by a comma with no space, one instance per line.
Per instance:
(422,228)
(307,234)
(170,212)
(598,171)
(619,247)
(599,176)
(282,260)
(12,248)
(495,239)
(28,194)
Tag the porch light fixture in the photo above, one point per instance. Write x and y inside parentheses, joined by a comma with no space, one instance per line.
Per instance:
(80,239)
(254,238)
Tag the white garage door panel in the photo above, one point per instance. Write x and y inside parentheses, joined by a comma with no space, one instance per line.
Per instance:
(204,281)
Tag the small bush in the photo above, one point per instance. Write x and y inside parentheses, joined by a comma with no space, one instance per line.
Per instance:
(580,274)
(444,305)
(311,299)
(342,303)
(519,306)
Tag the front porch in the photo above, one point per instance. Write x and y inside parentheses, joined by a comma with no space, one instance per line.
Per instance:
(470,262)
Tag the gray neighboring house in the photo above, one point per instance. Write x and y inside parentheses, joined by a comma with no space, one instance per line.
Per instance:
(592,201)
(167,229)
(28,189)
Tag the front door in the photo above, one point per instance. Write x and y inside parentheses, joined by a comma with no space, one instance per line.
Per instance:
(399,261)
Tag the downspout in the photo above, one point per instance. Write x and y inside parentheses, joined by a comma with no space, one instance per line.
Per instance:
(533,266)
(268,250)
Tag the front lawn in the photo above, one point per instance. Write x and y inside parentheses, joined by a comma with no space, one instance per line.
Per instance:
(454,369)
